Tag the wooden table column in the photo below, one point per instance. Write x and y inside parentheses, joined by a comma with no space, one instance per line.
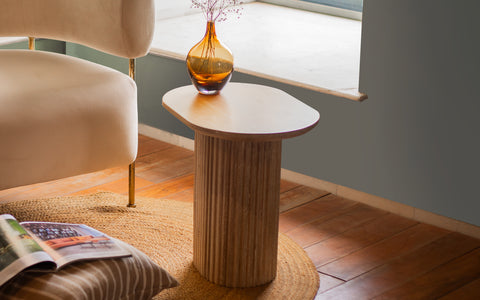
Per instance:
(237,176)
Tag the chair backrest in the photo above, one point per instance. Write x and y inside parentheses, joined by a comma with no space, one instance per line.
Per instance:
(119,27)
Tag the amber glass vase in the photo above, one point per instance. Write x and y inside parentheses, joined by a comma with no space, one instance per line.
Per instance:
(210,63)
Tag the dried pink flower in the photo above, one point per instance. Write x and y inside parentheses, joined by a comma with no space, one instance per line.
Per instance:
(217,10)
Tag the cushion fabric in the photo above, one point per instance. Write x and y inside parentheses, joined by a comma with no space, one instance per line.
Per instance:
(129,278)
(119,27)
(62,116)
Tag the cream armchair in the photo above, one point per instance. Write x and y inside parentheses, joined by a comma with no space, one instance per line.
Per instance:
(62,116)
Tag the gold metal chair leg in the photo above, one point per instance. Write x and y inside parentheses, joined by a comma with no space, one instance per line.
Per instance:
(131,185)
(31,43)
(131,168)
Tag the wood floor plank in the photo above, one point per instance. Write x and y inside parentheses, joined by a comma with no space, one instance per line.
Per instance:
(404,269)
(298,196)
(470,291)
(357,238)
(165,155)
(184,196)
(169,163)
(321,229)
(328,282)
(160,173)
(168,187)
(366,259)
(119,186)
(287,185)
(142,138)
(439,281)
(147,145)
(324,208)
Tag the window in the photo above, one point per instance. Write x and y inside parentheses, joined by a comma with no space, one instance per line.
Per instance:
(351,9)
(321,53)
(355,5)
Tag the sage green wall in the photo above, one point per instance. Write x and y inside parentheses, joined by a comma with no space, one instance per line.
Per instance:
(40,44)
(414,141)
(420,67)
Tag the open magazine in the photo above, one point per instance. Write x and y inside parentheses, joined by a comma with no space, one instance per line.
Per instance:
(46,246)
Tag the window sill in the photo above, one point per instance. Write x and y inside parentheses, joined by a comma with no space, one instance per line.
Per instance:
(306,49)
(11,40)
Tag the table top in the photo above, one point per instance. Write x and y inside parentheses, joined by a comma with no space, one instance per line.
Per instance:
(242,111)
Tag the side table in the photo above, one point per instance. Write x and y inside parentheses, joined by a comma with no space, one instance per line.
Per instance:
(238,144)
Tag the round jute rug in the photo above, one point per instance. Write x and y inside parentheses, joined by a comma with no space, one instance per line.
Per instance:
(163,229)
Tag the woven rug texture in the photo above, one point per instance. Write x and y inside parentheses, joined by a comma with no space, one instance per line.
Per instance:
(163,230)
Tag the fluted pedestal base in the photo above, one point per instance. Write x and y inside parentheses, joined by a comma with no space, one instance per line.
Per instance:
(238,147)
(237,191)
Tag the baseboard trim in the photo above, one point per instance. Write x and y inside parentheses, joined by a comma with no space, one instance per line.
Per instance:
(341,191)
(385,204)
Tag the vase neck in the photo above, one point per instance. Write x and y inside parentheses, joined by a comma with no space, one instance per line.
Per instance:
(211,29)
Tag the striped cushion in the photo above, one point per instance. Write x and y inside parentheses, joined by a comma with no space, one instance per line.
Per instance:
(135,277)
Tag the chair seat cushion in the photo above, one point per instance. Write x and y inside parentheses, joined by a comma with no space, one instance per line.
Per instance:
(62,116)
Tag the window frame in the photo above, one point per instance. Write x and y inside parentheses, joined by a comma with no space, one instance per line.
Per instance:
(315,7)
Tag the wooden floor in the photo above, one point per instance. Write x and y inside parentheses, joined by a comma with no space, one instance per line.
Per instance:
(360,252)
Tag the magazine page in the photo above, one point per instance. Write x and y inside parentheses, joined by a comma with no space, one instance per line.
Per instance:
(71,242)
(18,250)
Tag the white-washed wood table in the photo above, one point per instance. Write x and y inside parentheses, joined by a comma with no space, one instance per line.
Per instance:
(238,144)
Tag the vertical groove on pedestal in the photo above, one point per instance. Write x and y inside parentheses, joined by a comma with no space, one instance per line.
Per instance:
(236,210)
